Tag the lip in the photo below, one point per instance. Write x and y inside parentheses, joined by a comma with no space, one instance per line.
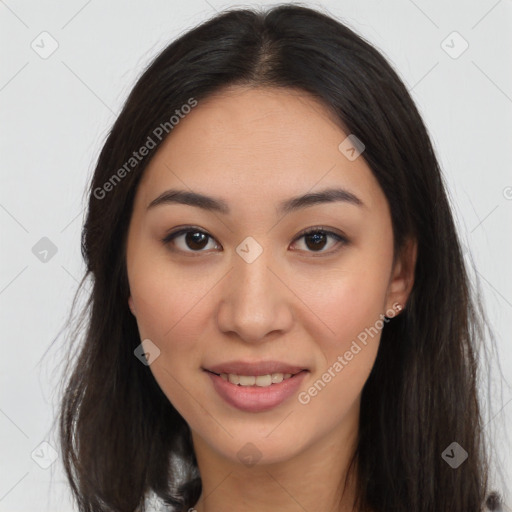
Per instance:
(255,368)
(256,398)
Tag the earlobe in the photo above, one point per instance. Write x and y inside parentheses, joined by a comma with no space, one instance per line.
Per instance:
(131,306)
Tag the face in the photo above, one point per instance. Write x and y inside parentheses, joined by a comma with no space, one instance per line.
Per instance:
(241,282)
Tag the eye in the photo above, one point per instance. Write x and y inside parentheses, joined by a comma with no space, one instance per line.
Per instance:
(196,239)
(316,238)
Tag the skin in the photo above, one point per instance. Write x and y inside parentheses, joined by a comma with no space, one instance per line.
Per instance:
(254,147)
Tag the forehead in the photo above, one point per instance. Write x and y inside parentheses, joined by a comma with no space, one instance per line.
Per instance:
(256,143)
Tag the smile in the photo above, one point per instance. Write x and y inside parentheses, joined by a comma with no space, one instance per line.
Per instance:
(253,393)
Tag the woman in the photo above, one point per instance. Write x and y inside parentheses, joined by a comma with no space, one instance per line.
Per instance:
(281,317)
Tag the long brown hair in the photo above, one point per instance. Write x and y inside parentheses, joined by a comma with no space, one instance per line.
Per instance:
(121,437)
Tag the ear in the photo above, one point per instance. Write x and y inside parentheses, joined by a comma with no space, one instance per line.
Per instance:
(402,278)
(131,305)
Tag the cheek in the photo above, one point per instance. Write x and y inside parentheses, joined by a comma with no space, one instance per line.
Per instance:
(347,299)
(167,299)
(171,317)
(349,352)
(353,304)
(350,302)
(352,311)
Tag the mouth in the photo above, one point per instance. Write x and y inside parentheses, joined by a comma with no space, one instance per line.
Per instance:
(262,380)
(255,373)
(256,393)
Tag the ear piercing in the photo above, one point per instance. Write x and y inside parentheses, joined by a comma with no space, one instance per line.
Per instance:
(397,307)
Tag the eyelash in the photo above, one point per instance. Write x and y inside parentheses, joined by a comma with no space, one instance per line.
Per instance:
(309,231)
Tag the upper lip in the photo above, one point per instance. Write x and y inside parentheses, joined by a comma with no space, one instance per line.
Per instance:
(255,368)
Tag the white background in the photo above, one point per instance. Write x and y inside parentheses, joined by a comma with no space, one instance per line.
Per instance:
(57,111)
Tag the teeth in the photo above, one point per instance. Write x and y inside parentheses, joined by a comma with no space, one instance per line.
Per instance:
(251,380)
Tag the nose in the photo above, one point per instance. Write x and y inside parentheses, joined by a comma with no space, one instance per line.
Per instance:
(256,301)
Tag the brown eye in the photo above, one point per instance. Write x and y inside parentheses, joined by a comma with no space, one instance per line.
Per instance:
(194,239)
(317,238)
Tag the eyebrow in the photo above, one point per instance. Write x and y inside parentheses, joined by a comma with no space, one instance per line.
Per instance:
(329,195)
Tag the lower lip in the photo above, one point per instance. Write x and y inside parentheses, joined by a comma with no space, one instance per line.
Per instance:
(256,398)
